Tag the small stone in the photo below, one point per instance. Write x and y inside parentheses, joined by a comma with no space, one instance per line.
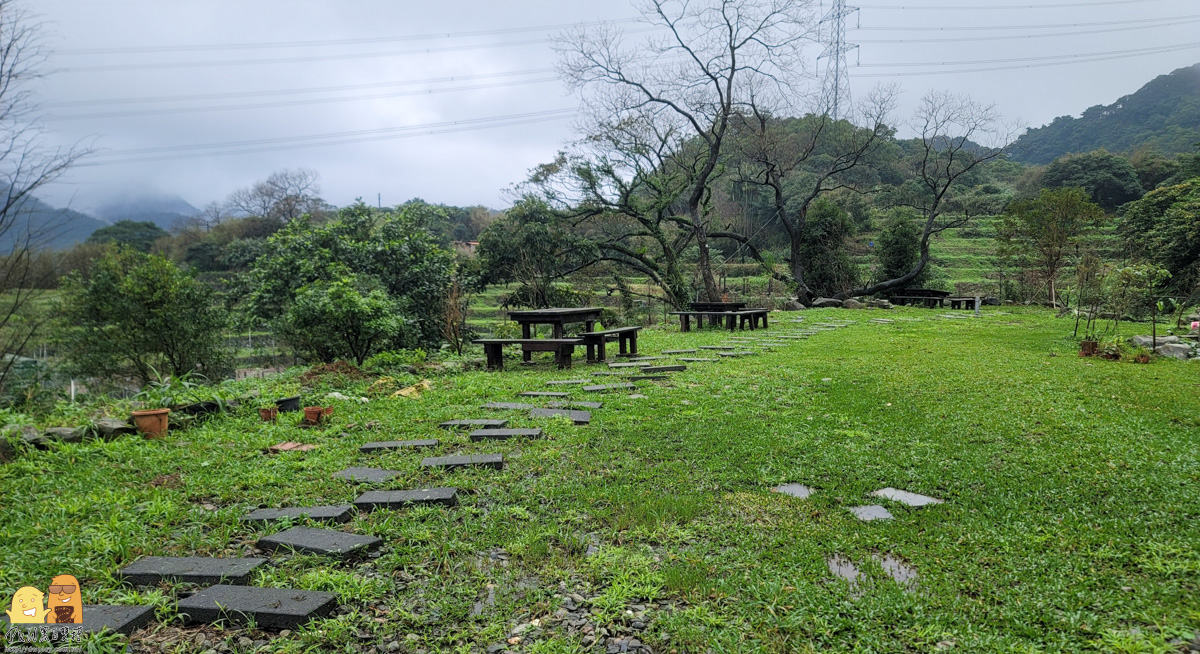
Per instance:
(795,490)
(412,637)
(871,512)
(905,497)
(393,646)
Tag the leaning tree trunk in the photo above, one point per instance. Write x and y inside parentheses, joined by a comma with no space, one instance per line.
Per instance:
(711,292)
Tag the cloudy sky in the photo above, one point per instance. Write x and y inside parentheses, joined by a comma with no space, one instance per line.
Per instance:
(200,97)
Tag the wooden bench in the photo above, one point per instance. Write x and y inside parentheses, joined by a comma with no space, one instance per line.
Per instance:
(625,336)
(961,302)
(753,316)
(732,319)
(562,348)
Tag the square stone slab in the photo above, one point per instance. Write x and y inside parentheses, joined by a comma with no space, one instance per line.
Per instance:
(123,620)
(504,434)
(654,369)
(905,497)
(871,512)
(795,490)
(609,387)
(495,461)
(901,572)
(270,608)
(628,365)
(149,570)
(693,360)
(575,405)
(319,541)
(383,446)
(606,373)
(566,382)
(578,417)
(647,358)
(472,422)
(648,378)
(713,347)
(373,500)
(543,394)
(366,475)
(679,351)
(338,513)
(511,406)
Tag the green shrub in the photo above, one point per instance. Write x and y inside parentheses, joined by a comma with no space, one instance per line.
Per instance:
(394,360)
(348,318)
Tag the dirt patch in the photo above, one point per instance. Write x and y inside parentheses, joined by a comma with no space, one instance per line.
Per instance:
(343,369)
(173,480)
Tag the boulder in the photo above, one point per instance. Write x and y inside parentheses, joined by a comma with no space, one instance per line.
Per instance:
(990,301)
(1175,350)
(7,451)
(792,305)
(826,303)
(1147,341)
(880,304)
(110,428)
(64,434)
(851,303)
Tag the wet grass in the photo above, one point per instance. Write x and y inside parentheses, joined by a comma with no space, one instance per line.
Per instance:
(1072,491)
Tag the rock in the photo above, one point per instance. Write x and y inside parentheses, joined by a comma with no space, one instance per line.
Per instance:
(990,301)
(851,303)
(7,451)
(393,646)
(336,396)
(880,304)
(64,434)
(1147,341)
(826,303)
(1175,350)
(792,305)
(110,428)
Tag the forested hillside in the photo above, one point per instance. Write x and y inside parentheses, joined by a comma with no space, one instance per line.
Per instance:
(1162,116)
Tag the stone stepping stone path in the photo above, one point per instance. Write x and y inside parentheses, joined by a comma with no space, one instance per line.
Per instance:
(713,347)
(366,475)
(473,422)
(578,417)
(290,446)
(509,406)
(679,351)
(271,608)
(575,405)
(543,394)
(327,542)
(494,461)
(795,490)
(648,378)
(741,353)
(647,358)
(843,568)
(654,369)
(566,382)
(338,514)
(400,499)
(503,434)
(123,620)
(882,321)
(901,572)
(871,512)
(628,365)
(905,497)
(606,374)
(150,570)
(609,387)
(384,446)
(696,360)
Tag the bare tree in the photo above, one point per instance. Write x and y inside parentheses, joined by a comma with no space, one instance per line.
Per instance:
(284,196)
(689,79)
(797,161)
(26,165)
(956,135)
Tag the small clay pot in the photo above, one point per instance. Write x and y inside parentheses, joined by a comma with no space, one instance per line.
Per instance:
(151,422)
(1088,348)
(268,413)
(314,414)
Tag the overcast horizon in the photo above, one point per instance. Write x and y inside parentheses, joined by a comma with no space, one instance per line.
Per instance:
(352,93)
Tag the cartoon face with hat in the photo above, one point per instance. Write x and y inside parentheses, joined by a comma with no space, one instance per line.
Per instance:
(64,602)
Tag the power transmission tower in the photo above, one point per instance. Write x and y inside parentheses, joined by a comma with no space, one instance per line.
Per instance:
(837,71)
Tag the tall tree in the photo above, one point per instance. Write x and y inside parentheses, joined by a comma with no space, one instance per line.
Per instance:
(688,85)
(1109,179)
(26,165)
(1046,229)
(284,196)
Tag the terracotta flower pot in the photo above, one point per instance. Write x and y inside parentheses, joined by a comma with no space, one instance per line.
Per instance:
(151,422)
(268,413)
(1088,348)
(313,414)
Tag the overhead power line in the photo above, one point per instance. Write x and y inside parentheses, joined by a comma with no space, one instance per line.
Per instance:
(1017,37)
(943,71)
(987,28)
(1041,5)
(1155,50)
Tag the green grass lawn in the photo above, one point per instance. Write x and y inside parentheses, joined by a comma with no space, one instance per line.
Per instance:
(1071,488)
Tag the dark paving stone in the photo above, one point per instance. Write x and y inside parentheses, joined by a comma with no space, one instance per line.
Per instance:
(609,387)
(713,347)
(606,374)
(123,620)
(647,358)
(319,541)
(383,446)
(504,434)
(543,394)
(473,422)
(654,369)
(905,497)
(366,475)
(871,512)
(338,513)
(149,570)
(628,365)
(566,382)
(696,360)
(495,461)
(795,490)
(575,405)
(578,417)
(648,378)
(374,500)
(511,406)
(679,351)
(270,608)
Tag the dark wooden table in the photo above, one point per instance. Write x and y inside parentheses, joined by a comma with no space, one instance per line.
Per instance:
(715,307)
(556,318)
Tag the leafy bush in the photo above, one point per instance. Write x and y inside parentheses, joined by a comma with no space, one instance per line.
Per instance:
(348,318)
(137,314)
(394,360)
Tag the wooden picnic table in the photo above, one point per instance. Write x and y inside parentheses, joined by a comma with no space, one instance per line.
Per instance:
(556,318)
(712,308)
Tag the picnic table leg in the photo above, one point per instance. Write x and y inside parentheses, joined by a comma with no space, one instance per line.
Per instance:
(600,349)
(557,329)
(495,356)
(764,317)
(591,351)
(684,323)
(564,353)
(526,355)
(731,321)
(633,343)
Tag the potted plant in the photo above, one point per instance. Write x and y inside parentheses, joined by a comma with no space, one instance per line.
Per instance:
(315,415)
(156,398)
(268,412)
